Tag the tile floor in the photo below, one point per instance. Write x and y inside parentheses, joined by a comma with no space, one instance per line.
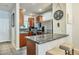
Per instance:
(7,49)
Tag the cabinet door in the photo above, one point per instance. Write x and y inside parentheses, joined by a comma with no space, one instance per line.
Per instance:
(23,40)
(31,48)
(39,18)
(21,17)
(31,22)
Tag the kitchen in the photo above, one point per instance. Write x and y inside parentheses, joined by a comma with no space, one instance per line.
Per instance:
(39,29)
(48,29)
(42,27)
(35,24)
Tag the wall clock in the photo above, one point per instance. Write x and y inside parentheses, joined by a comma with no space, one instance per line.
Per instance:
(58,14)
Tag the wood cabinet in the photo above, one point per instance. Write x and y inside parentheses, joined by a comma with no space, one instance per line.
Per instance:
(21,17)
(31,47)
(23,40)
(39,18)
(31,22)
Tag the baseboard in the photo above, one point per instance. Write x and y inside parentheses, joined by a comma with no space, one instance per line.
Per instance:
(5,42)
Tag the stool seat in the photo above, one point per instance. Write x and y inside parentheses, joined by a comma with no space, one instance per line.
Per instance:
(55,51)
(70,46)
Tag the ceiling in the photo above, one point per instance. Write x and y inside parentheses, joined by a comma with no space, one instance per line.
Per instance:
(6,6)
(34,7)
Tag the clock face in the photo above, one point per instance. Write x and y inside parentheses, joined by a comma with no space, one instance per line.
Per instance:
(58,14)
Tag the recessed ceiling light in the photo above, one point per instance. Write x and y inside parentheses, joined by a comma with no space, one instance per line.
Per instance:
(31,14)
(40,10)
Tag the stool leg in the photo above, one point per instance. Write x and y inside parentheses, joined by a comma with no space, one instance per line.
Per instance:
(72,51)
(66,52)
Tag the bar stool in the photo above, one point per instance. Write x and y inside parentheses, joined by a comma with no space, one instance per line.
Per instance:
(56,51)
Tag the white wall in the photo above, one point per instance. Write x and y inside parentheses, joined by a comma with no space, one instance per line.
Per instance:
(15,30)
(62,28)
(75,24)
(4,26)
(69,21)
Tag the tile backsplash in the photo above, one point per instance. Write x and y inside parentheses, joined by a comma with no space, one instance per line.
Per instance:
(48,26)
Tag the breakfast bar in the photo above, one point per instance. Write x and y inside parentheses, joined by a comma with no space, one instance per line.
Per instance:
(39,44)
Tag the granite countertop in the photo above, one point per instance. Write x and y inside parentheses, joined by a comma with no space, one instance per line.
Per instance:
(39,39)
(22,32)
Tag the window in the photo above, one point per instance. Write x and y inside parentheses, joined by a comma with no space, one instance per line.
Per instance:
(26,21)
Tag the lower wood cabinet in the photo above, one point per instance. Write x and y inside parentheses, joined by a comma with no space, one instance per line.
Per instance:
(31,47)
(23,40)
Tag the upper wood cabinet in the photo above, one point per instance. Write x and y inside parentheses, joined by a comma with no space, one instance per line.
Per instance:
(39,18)
(21,17)
(31,22)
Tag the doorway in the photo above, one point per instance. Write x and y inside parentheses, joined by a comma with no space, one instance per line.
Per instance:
(4,26)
